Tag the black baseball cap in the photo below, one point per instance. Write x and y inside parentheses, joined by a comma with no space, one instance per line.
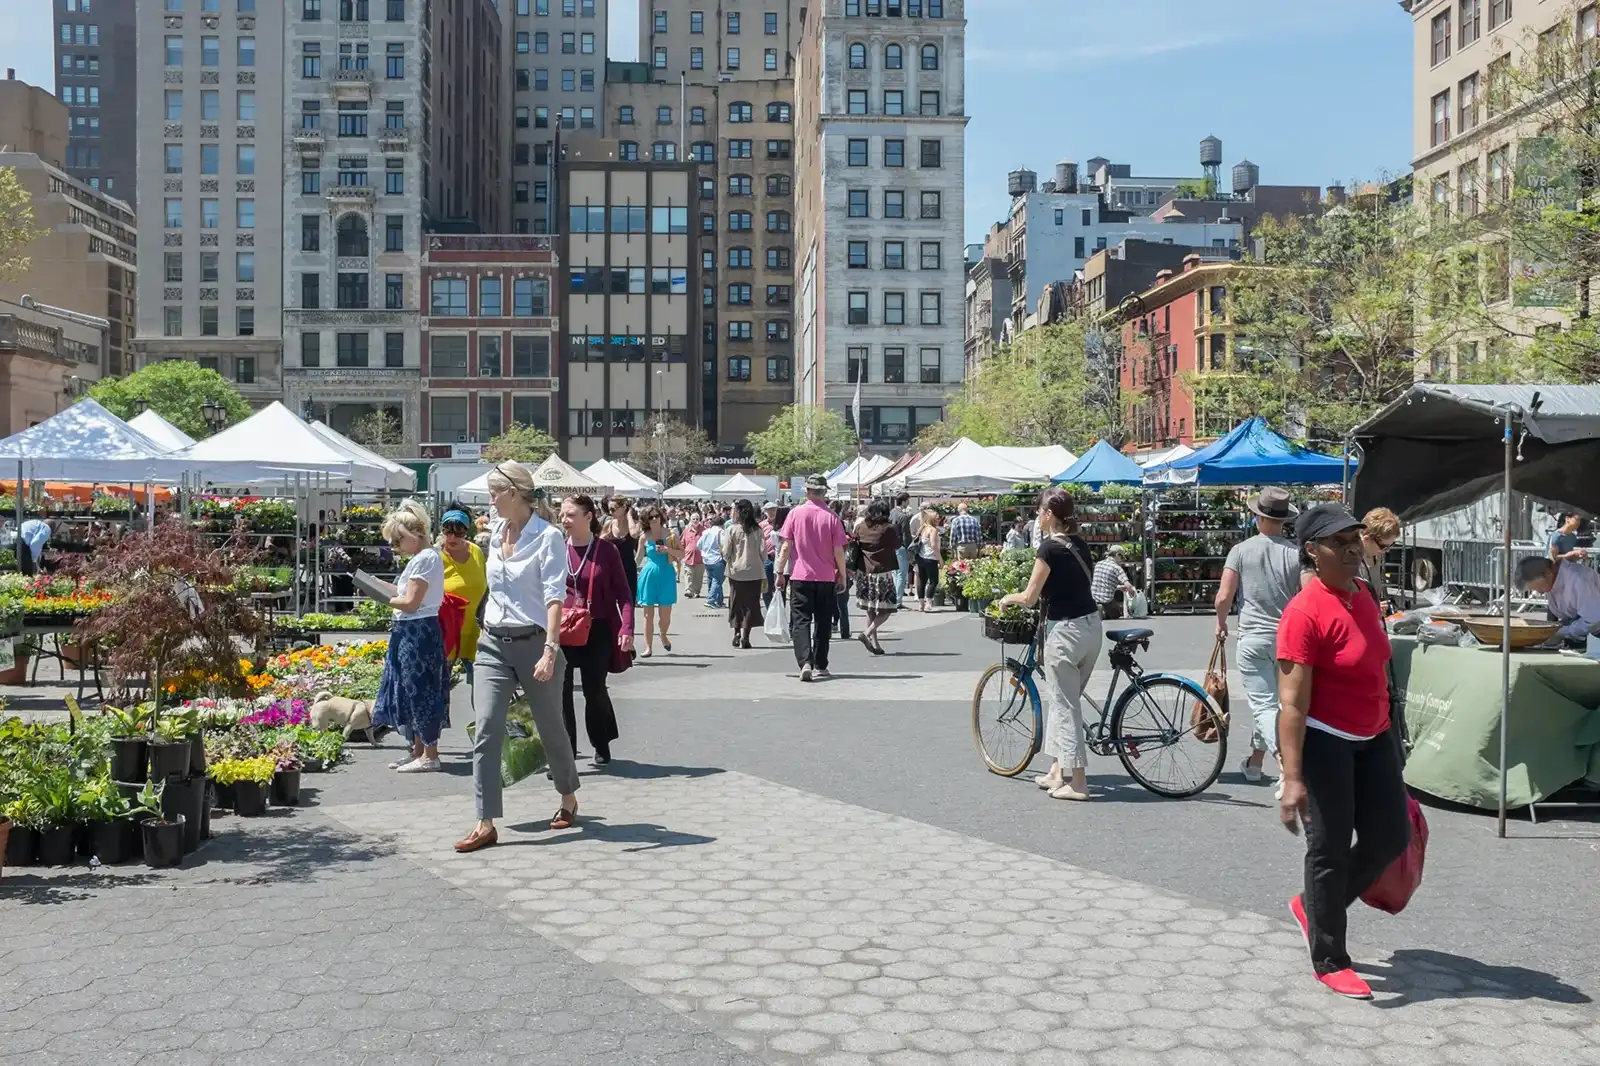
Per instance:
(1324,520)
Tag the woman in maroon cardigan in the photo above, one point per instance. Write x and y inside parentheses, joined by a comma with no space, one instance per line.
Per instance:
(590,557)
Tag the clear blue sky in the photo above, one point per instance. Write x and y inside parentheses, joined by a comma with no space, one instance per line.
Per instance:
(1310,96)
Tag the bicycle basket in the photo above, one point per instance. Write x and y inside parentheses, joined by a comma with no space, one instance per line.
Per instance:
(1018,630)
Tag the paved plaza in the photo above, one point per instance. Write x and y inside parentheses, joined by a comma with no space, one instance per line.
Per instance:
(778,873)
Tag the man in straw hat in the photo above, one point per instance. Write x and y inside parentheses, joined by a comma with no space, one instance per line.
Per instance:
(1263,573)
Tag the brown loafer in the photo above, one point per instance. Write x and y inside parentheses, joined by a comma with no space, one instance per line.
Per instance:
(564,819)
(478,838)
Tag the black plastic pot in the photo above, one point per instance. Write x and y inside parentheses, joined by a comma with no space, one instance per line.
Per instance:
(133,840)
(249,798)
(184,799)
(128,759)
(110,840)
(312,766)
(197,755)
(163,842)
(168,759)
(207,801)
(286,788)
(22,846)
(224,796)
(84,835)
(58,845)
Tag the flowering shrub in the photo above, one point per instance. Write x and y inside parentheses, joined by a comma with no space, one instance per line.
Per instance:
(289,712)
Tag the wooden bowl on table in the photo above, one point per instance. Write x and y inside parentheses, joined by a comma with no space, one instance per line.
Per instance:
(1525,632)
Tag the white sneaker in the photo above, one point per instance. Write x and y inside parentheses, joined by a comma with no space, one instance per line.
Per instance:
(1277,790)
(1251,773)
(402,761)
(420,766)
(805,672)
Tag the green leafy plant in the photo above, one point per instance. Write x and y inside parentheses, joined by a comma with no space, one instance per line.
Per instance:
(149,800)
(258,768)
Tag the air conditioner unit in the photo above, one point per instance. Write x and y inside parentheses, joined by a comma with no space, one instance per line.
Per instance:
(724,77)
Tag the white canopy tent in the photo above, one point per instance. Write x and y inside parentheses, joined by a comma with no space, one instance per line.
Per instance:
(859,471)
(624,480)
(686,491)
(1047,460)
(555,476)
(638,475)
(1161,458)
(158,429)
(897,484)
(966,467)
(739,487)
(87,443)
(400,477)
(293,445)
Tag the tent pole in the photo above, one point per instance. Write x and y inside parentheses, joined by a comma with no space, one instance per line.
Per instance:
(1505,627)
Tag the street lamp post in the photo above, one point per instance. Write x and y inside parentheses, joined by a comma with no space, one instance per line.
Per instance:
(214,414)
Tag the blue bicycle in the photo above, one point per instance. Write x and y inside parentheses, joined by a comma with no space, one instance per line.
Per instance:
(1168,734)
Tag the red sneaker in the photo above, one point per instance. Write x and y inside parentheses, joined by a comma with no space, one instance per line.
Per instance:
(1347,983)
(1297,908)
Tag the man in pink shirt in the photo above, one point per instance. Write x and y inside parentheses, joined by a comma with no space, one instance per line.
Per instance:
(813,539)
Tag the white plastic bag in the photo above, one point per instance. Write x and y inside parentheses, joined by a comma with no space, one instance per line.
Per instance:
(775,624)
(1138,605)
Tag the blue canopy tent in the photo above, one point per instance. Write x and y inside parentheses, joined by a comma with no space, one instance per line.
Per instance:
(1101,465)
(1252,454)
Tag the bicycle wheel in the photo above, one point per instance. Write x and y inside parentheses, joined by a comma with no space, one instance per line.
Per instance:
(1006,720)
(1153,733)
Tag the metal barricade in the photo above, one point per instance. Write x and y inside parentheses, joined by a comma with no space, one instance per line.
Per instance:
(1474,572)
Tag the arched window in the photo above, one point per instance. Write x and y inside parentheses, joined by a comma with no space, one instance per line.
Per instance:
(893,57)
(858,56)
(930,57)
(352,236)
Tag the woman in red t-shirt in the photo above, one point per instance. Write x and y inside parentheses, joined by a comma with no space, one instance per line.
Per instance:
(1339,755)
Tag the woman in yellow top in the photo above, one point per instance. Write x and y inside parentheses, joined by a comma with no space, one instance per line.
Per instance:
(464,575)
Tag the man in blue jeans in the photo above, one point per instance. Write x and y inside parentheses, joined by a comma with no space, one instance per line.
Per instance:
(900,518)
(711,552)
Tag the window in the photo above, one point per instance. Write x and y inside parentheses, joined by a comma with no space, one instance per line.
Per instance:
(894,102)
(858,255)
(488,355)
(697,116)
(244,366)
(245,106)
(244,159)
(394,292)
(697,22)
(208,267)
(244,267)
(733,59)
(530,297)
(893,57)
(859,203)
(932,153)
(930,57)
(210,51)
(490,410)
(1467,103)
(739,367)
(778,185)
(739,295)
(894,203)
(857,102)
(733,22)
(246,52)
(741,149)
(311,349)
(174,105)
(1499,187)
(740,222)
(931,312)
(394,60)
(396,11)
(351,349)
(394,233)
(173,155)
(740,111)
(310,233)
(660,59)
(856,151)
(739,185)
(208,321)
(1439,200)
(894,366)
(174,47)
(210,214)
(569,44)
(930,366)
(1497,88)
(858,56)
(1078,250)
(541,43)
(311,10)
(928,103)
(1441,37)
(447,415)
(1441,119)
(664,151)
(779,149)
(394,177)
(931,256)
(697,59)
(777,222)
(778,368)
(660,22)
(703,152)
(857,309)
(739,258)
(530,356)
(777,258)
(894,255)
(1499,12)
(448,297)
(1471,26)
(311,60)
(894,308)
(738,331)
(769,59)
(856,363)
(663,116)
(351,292)
(1467,189)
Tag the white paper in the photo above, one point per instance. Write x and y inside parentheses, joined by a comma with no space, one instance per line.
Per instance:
(376,588)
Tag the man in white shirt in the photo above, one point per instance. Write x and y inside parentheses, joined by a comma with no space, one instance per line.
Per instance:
(1571,591)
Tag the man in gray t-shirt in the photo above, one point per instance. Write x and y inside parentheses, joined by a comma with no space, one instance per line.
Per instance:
(1263,573)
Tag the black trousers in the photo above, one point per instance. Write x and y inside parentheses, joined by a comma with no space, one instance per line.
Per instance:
(927,577)
(841,607)
(592,664)
(811,607)
(1354,786)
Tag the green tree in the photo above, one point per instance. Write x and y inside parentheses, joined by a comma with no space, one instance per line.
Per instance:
(17,230)
(175,389)
(1055,384)
(520,444)
(379,431)
(669,449)
(802,439)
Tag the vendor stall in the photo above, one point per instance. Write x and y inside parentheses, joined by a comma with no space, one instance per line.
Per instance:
(1553,722)
(1252,454)
(624,479)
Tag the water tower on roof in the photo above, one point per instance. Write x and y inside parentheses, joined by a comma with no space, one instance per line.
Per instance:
(1246,176)
(1021,182)
(1211,163)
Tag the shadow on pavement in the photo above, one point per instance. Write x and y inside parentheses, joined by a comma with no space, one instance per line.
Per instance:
(47,890)
(643,771)
(1418,975)
(648,835)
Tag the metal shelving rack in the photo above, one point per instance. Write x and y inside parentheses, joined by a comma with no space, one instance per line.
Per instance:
(1195,576)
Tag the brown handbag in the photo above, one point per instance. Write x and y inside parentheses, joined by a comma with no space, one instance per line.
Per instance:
(1209,719)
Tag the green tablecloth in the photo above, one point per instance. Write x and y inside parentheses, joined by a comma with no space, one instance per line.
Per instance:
(1453,712)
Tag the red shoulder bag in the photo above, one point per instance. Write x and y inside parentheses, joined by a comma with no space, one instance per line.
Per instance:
(576,620)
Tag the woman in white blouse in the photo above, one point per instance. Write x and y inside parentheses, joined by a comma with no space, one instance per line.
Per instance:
(414,692)
(520,643)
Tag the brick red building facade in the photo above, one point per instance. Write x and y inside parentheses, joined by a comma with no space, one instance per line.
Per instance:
(1180,326)
(489,357)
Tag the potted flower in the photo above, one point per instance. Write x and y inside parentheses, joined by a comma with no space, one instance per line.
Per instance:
(249,778)
(286,774)
(160,833)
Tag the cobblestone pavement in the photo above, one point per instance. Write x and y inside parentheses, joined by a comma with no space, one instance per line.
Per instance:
(805,930)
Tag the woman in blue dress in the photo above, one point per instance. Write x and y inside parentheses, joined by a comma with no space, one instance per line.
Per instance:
(658,580)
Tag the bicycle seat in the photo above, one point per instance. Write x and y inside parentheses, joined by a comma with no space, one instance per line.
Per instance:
(1129,636)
